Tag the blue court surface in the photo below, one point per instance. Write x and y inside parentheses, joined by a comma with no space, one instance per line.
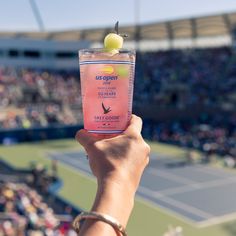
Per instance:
(198,193)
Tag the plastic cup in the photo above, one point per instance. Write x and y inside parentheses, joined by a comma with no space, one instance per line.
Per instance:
(107,81)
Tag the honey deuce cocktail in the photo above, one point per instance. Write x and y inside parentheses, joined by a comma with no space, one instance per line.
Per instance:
(107,79)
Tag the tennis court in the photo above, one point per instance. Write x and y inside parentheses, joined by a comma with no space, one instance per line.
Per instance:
(196,192)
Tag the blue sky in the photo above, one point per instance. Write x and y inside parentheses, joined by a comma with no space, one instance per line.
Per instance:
(16,15)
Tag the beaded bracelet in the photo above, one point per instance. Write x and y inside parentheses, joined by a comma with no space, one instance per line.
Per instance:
(98,216)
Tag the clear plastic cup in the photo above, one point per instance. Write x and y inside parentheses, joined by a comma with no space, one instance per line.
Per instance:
(107,81)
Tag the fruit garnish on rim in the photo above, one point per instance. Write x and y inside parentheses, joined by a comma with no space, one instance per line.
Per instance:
(114,41)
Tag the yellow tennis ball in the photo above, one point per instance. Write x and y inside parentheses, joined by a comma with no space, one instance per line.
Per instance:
(113,41)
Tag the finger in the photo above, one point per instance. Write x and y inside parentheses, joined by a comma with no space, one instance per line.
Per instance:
(84,138)
(135,125)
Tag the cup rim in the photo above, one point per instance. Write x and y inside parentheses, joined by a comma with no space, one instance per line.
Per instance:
(102,50)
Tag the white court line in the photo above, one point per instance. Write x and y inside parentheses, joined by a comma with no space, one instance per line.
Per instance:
(165,210)
(210,171)
(217,220)
(177,204)
(170,176)
(198,186)
(181,189)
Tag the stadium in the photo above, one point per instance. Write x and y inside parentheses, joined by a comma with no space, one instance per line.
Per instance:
(185,92)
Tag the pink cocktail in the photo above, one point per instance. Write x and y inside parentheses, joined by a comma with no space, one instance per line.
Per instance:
(107,80)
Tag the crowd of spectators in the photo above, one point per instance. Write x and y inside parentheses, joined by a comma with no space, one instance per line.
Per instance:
(210,134)
(205,76)
(24,213)
(35,98)
(32,97)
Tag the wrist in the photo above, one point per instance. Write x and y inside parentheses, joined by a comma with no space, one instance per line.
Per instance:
(114,199)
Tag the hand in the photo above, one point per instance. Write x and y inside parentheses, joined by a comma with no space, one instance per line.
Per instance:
(118,163)
(120,159)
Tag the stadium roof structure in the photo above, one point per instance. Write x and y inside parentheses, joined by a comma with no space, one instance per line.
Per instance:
(198,27)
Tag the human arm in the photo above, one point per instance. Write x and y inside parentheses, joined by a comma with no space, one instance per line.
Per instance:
(118,163)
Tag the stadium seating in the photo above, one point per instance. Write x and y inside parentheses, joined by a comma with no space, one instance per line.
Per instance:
(205,76)
(24,211)
(166,79)
(31,98)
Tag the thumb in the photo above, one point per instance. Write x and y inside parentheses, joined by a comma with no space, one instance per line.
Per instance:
(84,138)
